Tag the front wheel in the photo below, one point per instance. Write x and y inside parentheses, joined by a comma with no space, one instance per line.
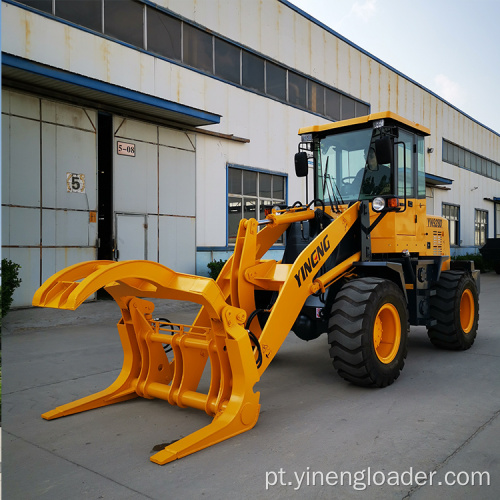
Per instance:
(455,308)
(368,331)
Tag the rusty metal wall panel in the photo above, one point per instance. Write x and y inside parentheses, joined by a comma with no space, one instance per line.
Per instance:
(126,128)
(68,228)
(177,184)
(59,258)
(21,165)
(135,178)
(177,243)
(17,104)
(38,213)
(29,259)
(152,237)
(176,139)
(131,236)
(67,150)
(22,226)
(70,116)
(158,180)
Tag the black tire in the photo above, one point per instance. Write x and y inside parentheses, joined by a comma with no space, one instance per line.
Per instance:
(359,312)
(455,307)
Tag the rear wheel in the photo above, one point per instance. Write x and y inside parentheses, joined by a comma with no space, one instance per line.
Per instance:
(455,307)
(368,331)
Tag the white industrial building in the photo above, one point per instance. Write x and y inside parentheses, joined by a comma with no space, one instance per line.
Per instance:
(140,129)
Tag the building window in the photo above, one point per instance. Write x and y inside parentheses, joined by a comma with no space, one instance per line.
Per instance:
(464,158)
(332,104)
(452,213)
(348,107)
(227,61)
(316,97)
(123,19)
(276,81)
(480,227)
(198,49)
(86,13)
(44,5)
(164,34)
(362,109)
(253,71)
(297,89)
(251,194)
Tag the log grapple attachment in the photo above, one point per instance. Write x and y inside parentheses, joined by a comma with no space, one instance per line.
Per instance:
(227,331)
(216,335)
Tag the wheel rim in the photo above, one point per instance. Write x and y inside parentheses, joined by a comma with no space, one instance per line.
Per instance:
(387,333)
(467,311)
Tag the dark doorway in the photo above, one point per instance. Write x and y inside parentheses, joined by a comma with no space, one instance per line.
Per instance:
(105,186)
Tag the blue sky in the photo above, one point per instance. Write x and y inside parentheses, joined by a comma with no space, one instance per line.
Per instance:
(451,47)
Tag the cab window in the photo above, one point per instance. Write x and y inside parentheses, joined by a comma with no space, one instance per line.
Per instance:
(405,164)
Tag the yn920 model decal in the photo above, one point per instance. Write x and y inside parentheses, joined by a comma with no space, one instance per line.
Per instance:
(434,222)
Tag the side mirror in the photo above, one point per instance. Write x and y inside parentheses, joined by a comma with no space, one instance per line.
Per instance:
(301,164)
(384,150)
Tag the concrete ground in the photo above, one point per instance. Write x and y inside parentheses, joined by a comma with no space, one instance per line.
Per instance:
(317,436)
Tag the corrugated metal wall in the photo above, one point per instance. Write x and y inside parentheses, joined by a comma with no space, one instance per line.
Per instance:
(46,227)
(154,195)
(274,30)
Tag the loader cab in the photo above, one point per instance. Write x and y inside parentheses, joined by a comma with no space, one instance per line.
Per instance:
(379,157)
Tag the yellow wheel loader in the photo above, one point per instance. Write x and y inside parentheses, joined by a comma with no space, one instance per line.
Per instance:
(362,262)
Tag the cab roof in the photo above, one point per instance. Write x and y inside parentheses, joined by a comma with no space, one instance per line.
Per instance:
(365,120)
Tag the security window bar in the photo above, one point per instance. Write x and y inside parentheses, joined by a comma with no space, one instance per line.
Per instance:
(461,157)
(480,227)
(252,194)
(452,213)
(159,33)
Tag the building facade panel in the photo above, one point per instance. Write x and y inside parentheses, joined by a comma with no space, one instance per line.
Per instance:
(171,197)
(23,161)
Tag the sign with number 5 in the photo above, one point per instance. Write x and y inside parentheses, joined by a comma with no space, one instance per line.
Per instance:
(75,183)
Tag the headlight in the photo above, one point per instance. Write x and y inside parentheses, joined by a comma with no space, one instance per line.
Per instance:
(378,204)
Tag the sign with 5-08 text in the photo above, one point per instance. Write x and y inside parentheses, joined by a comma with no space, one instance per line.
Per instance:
(125,148)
